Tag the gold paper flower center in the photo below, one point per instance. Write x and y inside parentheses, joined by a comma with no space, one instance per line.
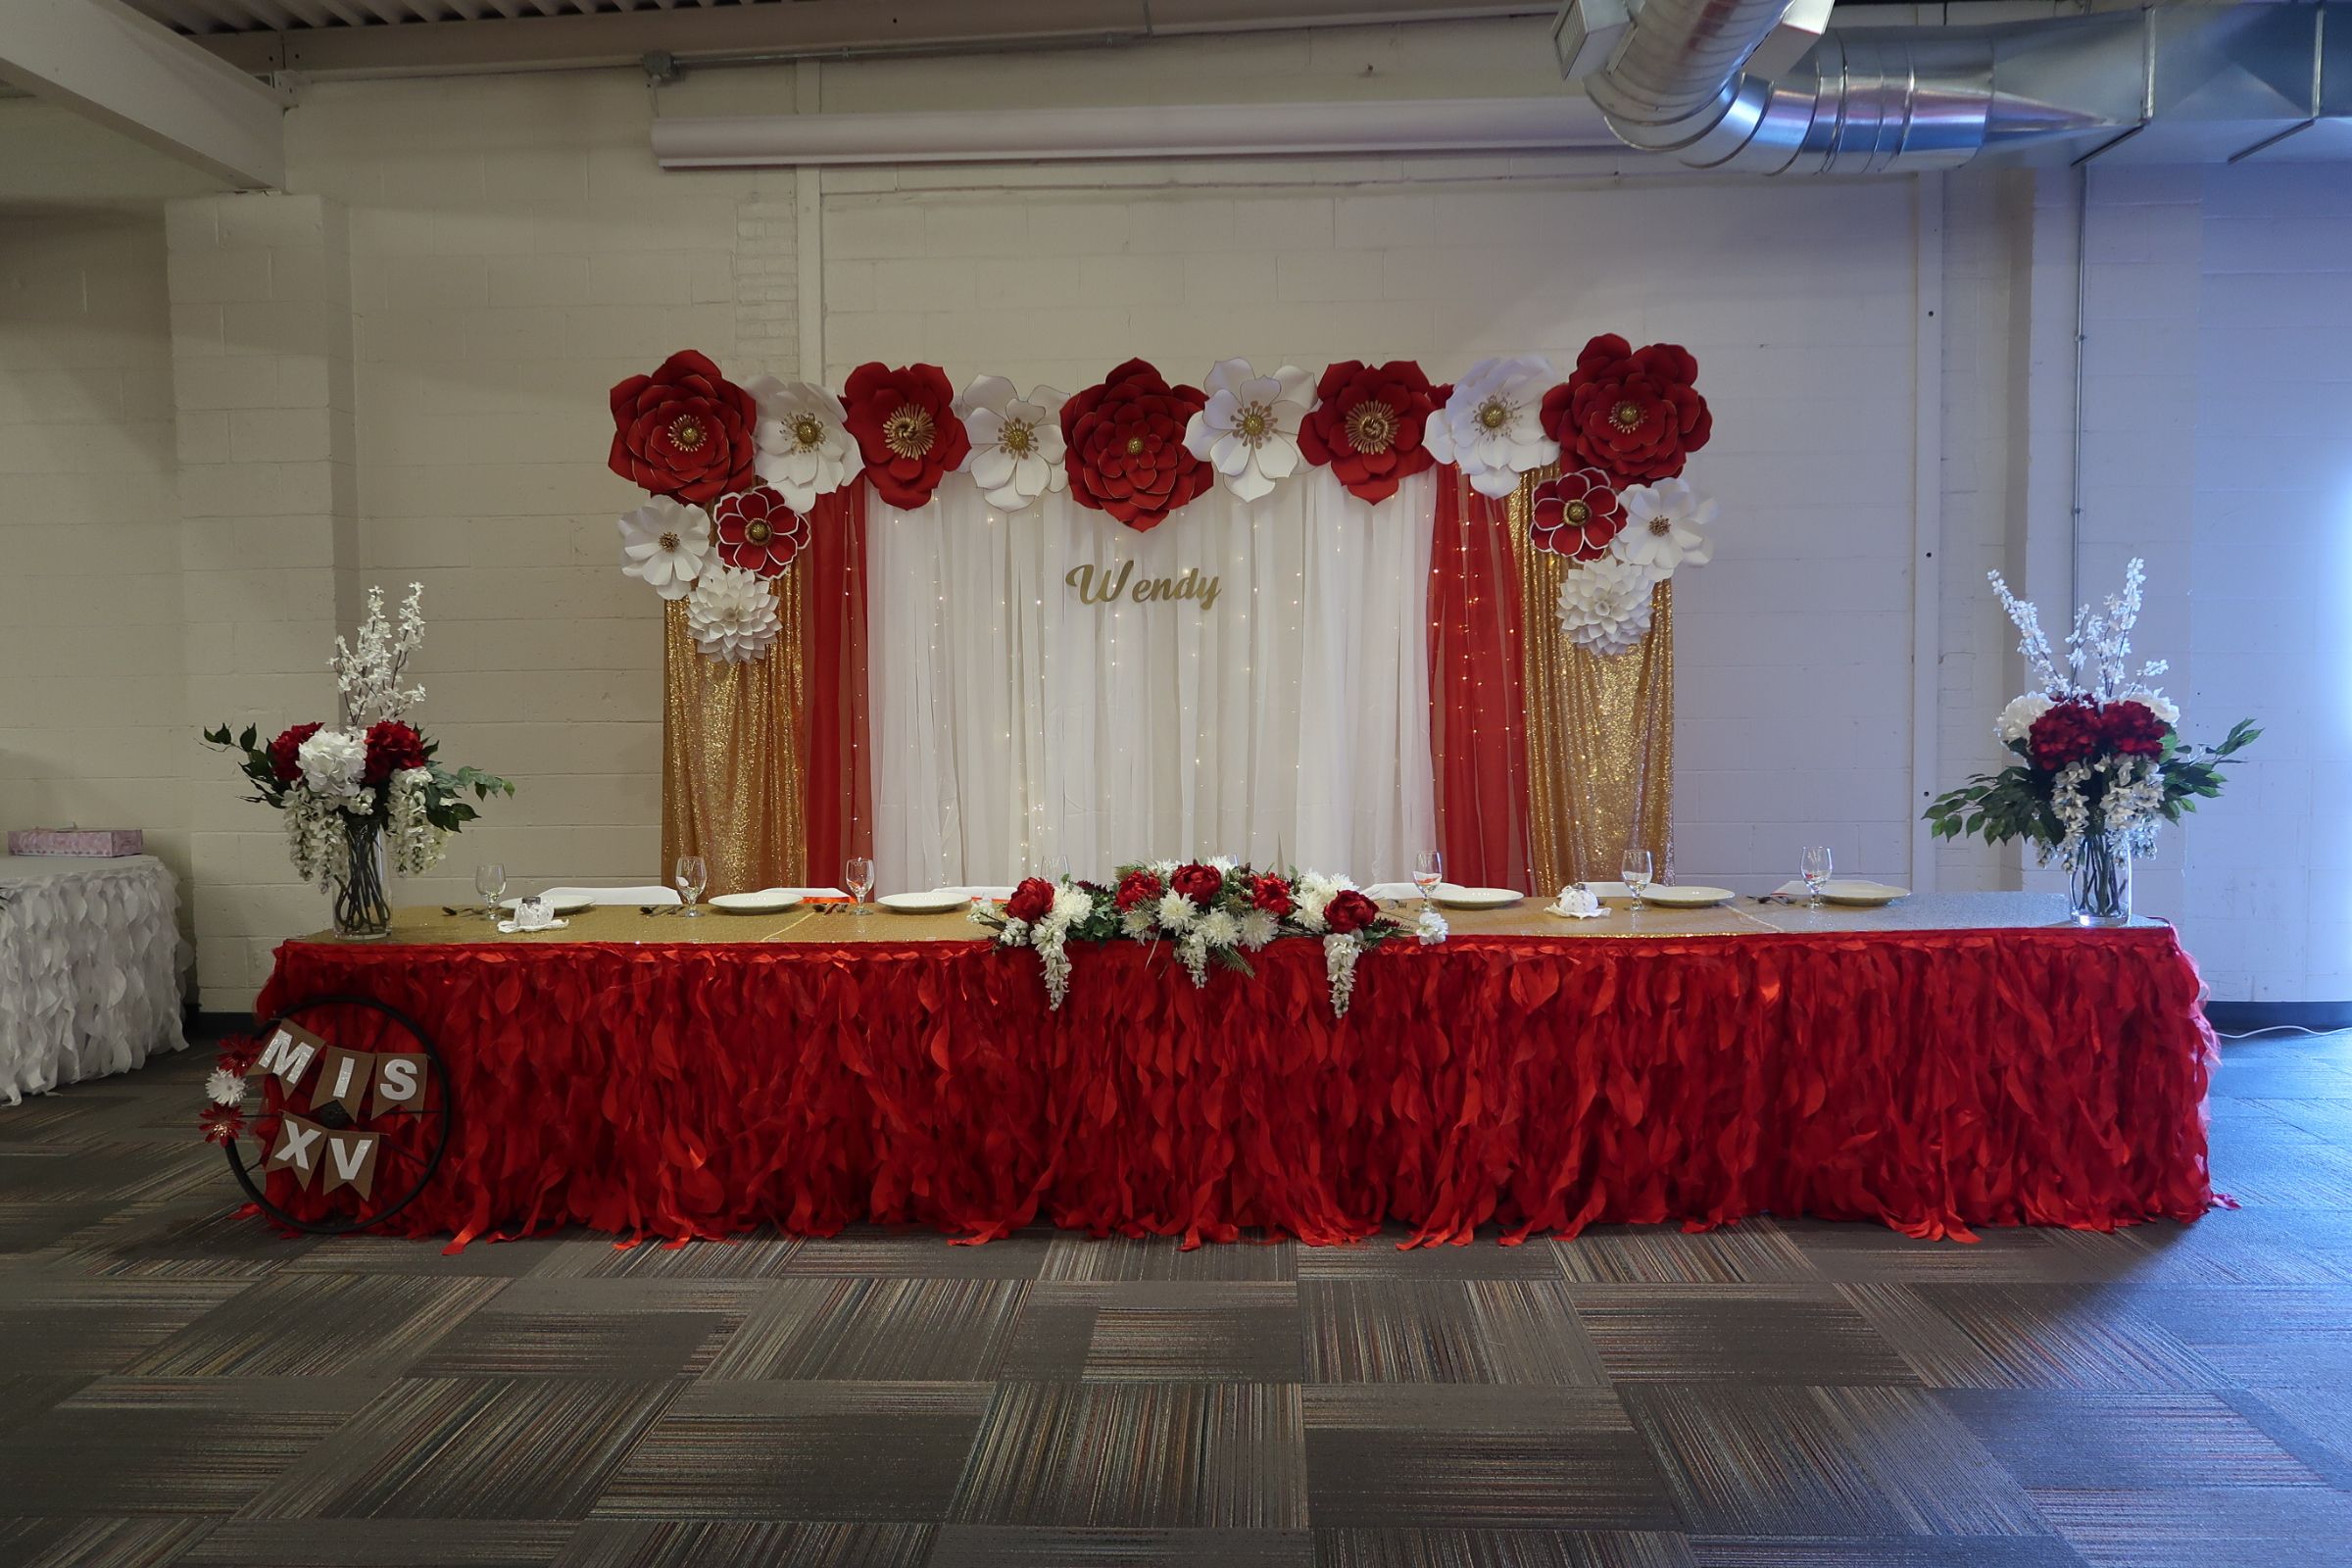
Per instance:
(1019,437)
(1255,423)
(1135,445)
(686,432)
(1578,514)
(1371,427)
(669,542)
(1626,416)
(909,430)
(807,431)
(1493,413)
(1661,526)
(756,532)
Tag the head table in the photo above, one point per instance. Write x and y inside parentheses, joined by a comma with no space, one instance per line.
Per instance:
(1948,1061)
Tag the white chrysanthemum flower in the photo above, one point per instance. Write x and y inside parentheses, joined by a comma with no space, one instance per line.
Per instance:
(1493,426)
(1221,864)
(1249,430)
(332,763)
(663,544)
(1665,528)
(1177,912)
(2016,720)
(1139,923)
(805,450)
(1163,870)
(1258,928)
(1017,447)
(1071,904)
(1219,929)
(224,1088)
(1604,606)
(732,614)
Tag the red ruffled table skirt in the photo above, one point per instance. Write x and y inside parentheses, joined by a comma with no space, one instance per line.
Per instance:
(1931,1079)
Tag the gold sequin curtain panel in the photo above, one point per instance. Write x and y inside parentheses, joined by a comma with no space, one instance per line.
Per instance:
(1599,728)
(732,783)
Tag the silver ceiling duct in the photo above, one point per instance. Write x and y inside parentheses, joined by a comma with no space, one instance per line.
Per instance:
(1766,87)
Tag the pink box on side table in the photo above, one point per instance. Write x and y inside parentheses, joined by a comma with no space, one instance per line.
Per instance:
(96,843)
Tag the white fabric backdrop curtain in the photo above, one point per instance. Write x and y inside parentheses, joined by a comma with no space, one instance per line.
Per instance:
(1012,723)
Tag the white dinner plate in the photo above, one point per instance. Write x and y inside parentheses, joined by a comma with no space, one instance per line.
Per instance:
(939,901)
(767,900)
(569,903)
(1868,895)
(1687,895)
(1458,898)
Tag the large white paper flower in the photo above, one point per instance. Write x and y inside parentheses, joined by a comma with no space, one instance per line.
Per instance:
(1016,443)
(1604,606)
(1249,430)
(732,614)
(1493,426)
(332,763)
(1665,528)
(804,449)
(664,544)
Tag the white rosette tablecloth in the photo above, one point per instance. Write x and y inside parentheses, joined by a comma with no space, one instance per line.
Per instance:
(89,970)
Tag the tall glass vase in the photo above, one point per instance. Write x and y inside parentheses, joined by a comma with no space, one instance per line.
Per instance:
(2102,885)
(363,912)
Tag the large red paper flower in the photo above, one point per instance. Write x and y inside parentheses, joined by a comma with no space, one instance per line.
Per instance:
(283,758)
(2068,733)
(1575,514)
(685,431)
(1366,427)
(2132,729)
(906,428)
(392,748)
(757,531)
(1126,440)
(1636,416)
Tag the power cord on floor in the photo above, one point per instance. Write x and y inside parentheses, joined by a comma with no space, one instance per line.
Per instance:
(2278,1029)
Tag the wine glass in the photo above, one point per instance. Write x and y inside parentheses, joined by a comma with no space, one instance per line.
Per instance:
(692,874)
(1058,869)
(858,873)
(1635,868)
(1816,872)
(1429,873)
(490,881)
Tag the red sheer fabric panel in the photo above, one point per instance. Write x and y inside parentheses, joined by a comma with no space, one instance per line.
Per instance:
(1932,1081)
(839,796)
(1478,715)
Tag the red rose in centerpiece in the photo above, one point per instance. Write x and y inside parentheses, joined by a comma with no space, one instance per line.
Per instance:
(1138,888)
(1576,515)
(392,748)
(284,752)
(1636,416)
(1350,911)
(2132,729)
(757,531)
(1366,426)
(1032,901)
(1200,883)
(2068,733)
(906,428)
(685,431)
(1125,441)
(1273,895)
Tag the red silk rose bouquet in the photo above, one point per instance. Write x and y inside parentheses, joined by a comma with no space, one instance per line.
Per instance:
(1215,912)
(2101,764)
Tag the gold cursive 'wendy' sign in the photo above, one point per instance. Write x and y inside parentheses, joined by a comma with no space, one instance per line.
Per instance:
(1111,584)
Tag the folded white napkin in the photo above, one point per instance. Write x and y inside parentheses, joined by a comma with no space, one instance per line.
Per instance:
(512,929)
(1578,904)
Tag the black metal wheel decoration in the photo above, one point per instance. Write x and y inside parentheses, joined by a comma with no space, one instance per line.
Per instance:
(422,1162)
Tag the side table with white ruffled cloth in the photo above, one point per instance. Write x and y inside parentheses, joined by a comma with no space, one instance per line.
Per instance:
(89,970)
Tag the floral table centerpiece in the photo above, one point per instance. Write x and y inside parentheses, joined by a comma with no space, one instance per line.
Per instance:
(2102,765)
(1214,912)
(368,790)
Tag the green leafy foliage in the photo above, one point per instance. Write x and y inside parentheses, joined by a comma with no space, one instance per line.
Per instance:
(2015,803)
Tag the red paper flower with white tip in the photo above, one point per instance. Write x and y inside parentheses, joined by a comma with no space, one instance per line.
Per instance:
(757,532)
(1575,514)
(906,425)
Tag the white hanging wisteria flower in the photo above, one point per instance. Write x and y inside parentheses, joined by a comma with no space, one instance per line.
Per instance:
(224,1088)
(367,678)
(1493,426)
(1018,449)
(1665,529)
(804,449)
(732,614)
(664,544)
(332,763)
(1604,606)
(416,845)
(1249,430)
(1339,954)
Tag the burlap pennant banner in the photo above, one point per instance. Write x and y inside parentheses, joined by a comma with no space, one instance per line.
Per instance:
(351,1162)
(289,1054)
(301,1148)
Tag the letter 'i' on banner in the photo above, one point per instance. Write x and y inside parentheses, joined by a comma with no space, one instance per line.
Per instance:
(300,1146)
(351,1162)
(289,1053)
(400,1080)
(343,1079)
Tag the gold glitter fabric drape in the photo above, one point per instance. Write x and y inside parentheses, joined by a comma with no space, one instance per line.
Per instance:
(731,782)
(1599,728)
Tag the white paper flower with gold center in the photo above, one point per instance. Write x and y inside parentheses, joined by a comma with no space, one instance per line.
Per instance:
(1493,426)
(1249,430)
(1665,528)
(805,451)
(664,544)
(1604,606)
(732,614)
(1017,442)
